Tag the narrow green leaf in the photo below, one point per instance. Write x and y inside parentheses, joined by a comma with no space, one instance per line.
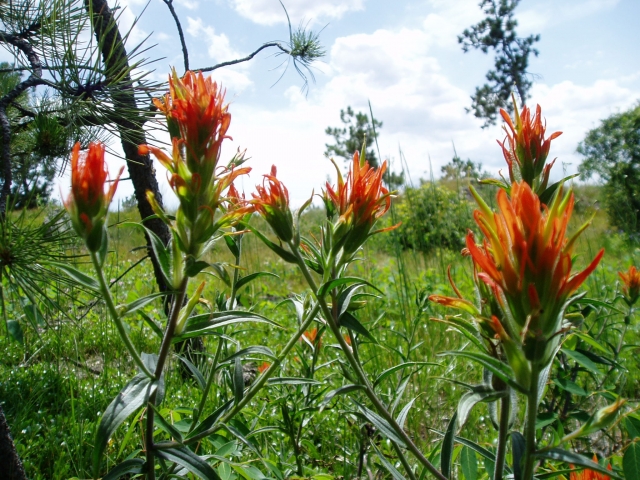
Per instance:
(326,287)
(400,366)
(352,323)
(387,464)
(189,460)
(292,381)
(221,273)
(470,399)
(193,267)
(402,416)
(152,324)
(570,386)
(197,374)
(582,360)
(446,452)
(277,249)
(132,466)
(140,303)
(576,459)
(631,461)
(77,276)
(380,423)
(517,449)
(249,278)
(131,397)
(211,420)
(632,425)
(499,369)
(598,303)
(338,391)
(165,425)
(232,245)
(253,350)
(162,254)
(469,464)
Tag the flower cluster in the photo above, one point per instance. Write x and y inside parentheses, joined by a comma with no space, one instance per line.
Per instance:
(272,202)
(526,149)
(198,121)
(631,285)
(525,261)
(359,201)
(88,203)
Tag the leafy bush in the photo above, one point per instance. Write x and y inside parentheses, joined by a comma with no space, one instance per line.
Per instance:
(612,152)
(433,216)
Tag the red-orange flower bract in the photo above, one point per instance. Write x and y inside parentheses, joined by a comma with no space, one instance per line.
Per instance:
(360,202)
(587,474)
(272,202)
(631,284)
(197,115)
(198,121)
(527,255)
(88,203)
(527,149)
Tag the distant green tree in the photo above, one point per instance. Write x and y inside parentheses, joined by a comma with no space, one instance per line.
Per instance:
(358,130)
(458,169)
(612,152)
(497,32)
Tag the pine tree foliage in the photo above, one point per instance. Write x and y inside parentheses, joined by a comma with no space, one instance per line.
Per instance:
(358,129)
(497,33)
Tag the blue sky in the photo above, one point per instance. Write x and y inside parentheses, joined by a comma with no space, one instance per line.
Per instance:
(403,56)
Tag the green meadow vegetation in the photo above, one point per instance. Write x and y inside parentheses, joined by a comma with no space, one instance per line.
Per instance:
(61,371)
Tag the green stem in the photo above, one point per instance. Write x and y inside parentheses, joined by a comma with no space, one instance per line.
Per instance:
(530,426)
(236,274)
(362,376)
(205,393)
(259,383)
(106,294)
(403,460)
(503,431)
(178,302)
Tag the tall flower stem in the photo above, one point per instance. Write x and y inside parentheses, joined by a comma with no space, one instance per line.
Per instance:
(530,426)
(207,387)
(503,431)
(362,376)
(106,294)
(178,301)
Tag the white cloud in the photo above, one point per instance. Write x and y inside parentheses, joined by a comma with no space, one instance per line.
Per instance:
(220,50)
(270,12)
(188,4)
(422,111)
(551,12)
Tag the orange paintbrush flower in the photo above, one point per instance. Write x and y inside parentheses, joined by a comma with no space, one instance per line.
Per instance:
(272,202)
(527,255)
(88,202)
(196,114)
(587,474)
(631,285)
(198,121)
(526,149)
(359,201)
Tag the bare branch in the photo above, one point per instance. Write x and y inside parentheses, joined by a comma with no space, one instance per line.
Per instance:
(244,59)
(185,52)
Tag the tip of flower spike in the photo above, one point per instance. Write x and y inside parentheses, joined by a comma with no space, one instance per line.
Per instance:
(143,150)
